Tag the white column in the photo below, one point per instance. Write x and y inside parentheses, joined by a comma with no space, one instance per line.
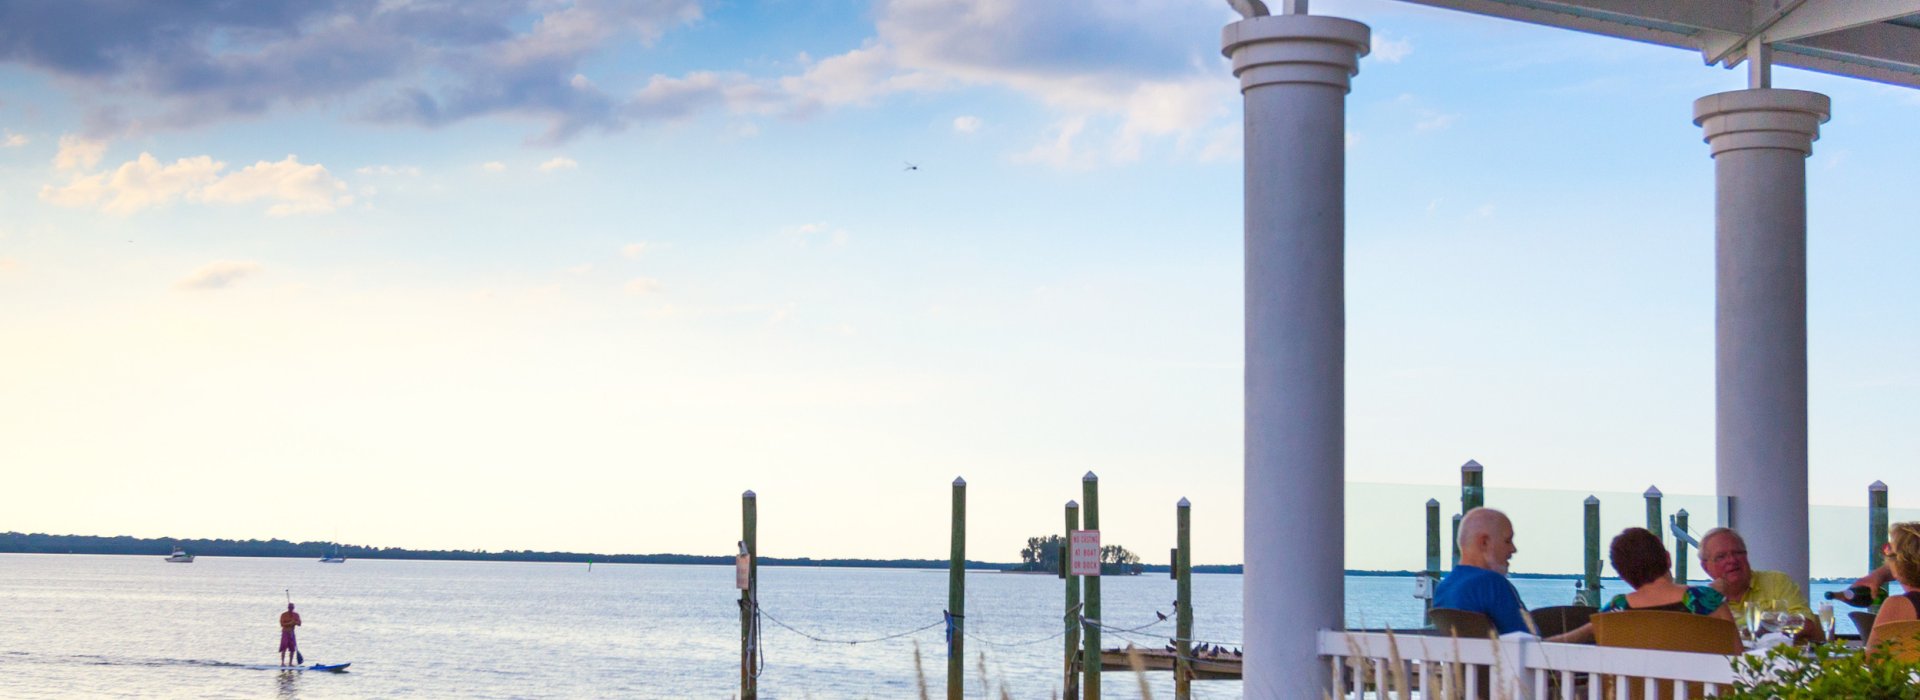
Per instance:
(1760,140)
(1294,72)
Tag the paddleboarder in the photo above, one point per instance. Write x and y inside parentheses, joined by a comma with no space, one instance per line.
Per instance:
(289,649)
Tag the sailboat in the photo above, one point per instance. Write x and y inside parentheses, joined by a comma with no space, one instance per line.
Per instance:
(180,556)
(333,557)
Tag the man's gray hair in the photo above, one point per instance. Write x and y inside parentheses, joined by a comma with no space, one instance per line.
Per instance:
(1716,532)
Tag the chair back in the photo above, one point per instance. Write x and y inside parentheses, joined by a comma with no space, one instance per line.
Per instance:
(1464,624)
(1561,619)
(1863,621)
(1666,631)
(1898,641)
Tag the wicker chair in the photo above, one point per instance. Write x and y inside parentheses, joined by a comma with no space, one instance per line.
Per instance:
(1664,631)
(1561,619)
(1902,641)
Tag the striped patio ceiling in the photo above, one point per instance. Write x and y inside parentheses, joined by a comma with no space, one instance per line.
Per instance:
(1872,39)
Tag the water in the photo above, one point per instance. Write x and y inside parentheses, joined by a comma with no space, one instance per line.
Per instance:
(75,625)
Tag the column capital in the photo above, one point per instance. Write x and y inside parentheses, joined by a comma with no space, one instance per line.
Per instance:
(1780,119)
(1295,49)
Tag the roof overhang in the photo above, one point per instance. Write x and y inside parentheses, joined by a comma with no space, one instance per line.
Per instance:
(1875,40)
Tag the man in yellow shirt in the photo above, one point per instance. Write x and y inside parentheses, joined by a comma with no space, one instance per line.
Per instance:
(1723,555)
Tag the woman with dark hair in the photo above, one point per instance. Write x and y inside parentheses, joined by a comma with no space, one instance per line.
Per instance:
(1642,561)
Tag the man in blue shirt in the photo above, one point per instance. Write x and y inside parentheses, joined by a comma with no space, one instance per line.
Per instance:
(1479,583)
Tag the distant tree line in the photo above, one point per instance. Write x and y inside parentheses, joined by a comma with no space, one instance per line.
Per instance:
(1043,554)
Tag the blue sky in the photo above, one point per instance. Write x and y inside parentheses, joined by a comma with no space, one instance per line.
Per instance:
(535,274)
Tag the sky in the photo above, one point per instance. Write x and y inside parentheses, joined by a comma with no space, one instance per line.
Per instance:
(534,274)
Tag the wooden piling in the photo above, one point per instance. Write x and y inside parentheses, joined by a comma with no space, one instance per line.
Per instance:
(1433,548)
(1679,547)
(749,599)
(957,595)
(1456,540)
(1090,645)
(1473,492)
(1183,603)
(1590,597)
(1654,518)
(1072,614)
(1876,523)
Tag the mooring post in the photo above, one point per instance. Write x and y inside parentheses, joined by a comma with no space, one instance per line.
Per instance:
(1183,604)
(957,595)
(1591,596)
(1090,651)
(749,601)
(1072,614)
(1654,517)
(1876,523)
(1679,547)
(1433,548)
(1456,540)
(1473,492)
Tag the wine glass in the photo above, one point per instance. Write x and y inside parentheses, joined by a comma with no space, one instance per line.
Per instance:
(1750,613)
(1826,619)
(1791,623)
(1770,619)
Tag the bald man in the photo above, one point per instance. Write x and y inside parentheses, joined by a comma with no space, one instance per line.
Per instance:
(1479,583)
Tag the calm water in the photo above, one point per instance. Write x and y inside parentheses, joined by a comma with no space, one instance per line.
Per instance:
(138,627)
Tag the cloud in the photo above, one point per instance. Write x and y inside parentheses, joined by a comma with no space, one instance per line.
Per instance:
(966,125)
(389,170)
(494,166)
(291,186)
(806,233)
(428,63)
(295,188)
(78,153)
(1431,120)
(218,274)
(1386,49)
(633,251)
(8,265)
(643,285)
(12,140)
(559,163)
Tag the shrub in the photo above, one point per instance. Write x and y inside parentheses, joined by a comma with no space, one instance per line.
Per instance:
(1826,671)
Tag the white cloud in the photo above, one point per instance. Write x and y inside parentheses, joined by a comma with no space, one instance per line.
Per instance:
(1434,121)
(78,153)
(644,285)
(1390,50)
(966,125)
(559,163)
(295,188)
(580,82)
(633,251)
(390,170)
(292,187)
(8,265)
(136,185)
(494,166)
(1060,152)
(580,270)
(806,233)
(12,140)
(218,274)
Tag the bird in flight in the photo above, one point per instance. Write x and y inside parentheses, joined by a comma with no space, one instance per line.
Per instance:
(911,166)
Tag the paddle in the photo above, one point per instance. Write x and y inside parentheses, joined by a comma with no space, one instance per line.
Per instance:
(298,657)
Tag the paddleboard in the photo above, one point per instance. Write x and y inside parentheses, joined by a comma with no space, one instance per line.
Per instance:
(332,668)
(335,668)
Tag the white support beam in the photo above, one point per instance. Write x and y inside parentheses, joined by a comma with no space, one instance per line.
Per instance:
(1818,17)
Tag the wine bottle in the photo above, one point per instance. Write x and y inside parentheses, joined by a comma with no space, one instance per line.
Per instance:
(1856,596)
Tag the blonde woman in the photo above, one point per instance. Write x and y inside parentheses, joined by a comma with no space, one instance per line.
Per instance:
(1903,557)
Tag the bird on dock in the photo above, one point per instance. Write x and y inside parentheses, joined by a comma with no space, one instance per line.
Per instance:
(1162,615)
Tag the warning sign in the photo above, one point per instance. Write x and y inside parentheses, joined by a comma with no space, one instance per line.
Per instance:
(1084,553)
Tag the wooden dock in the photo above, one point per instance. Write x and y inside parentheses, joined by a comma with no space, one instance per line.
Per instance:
(1224,665)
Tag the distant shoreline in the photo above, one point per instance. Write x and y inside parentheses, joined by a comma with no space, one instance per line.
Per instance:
(39,543)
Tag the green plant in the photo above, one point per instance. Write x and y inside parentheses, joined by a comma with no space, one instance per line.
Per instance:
(1825,671)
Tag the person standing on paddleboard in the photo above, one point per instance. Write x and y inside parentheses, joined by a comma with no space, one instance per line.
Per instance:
(289,649)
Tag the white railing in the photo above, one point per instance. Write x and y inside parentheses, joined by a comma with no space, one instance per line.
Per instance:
(1382,665)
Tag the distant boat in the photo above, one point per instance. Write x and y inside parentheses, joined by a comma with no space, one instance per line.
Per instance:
(180,556)
(334,557)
